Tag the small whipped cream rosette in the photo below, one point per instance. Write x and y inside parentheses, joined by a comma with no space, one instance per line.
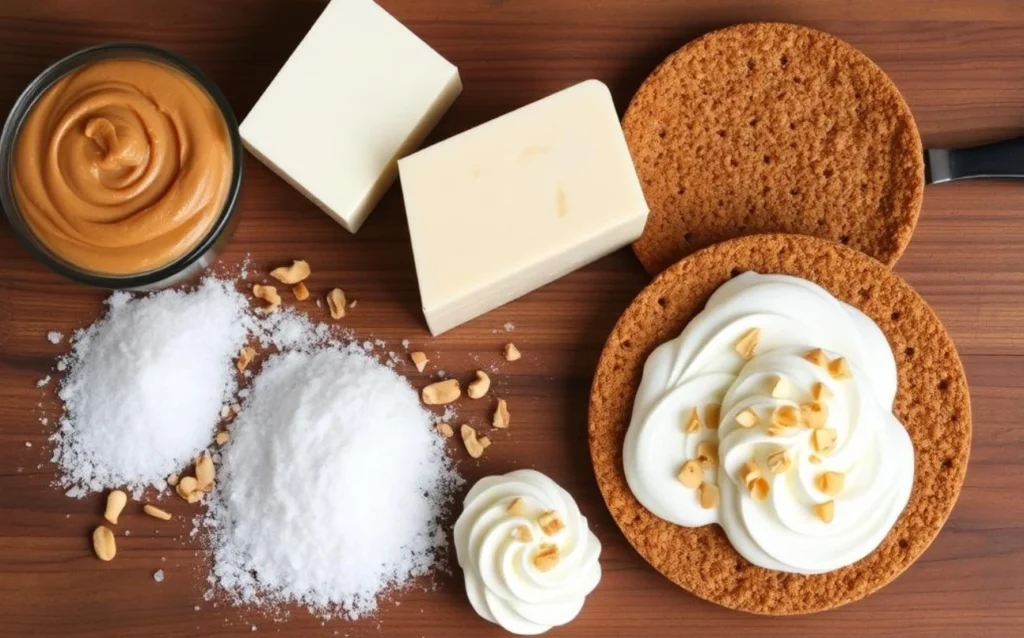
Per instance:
(527,554)
(771,415)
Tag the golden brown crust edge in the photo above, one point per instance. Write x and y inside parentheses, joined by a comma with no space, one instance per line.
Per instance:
(932,402)
(838,156)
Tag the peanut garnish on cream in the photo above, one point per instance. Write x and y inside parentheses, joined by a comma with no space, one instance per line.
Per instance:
(807,435)
(692,422)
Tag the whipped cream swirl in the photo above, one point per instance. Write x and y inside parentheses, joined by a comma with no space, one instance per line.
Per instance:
(527,554)
(799,520)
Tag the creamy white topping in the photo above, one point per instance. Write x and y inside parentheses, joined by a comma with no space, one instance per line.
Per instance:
(503,581)
(873,451)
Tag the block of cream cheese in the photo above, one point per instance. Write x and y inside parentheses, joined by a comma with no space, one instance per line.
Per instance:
(360,91)
(517,202)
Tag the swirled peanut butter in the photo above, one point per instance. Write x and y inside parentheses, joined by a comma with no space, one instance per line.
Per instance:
(122,166)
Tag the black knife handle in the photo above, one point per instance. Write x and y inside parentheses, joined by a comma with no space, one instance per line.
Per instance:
(1000,159)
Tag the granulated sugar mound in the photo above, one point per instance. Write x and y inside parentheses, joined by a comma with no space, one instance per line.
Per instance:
(145,385)
(331,489)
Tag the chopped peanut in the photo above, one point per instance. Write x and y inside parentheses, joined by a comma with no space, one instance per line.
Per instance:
(546,558)
(478,387)
(336,303)
(172,480)
(692,474)
(814,459)
(830,483)
(692,422)
(204,472)
(512,352)
(116,501)
(474,445)
(839,368)
(817,357)
(441,392)
(103,543)
(245,357)
(709,496)
(820,392)
(419,359)
(222,437)
(517,507)
(550,523)
(775,430)
(825,511)
(785,416)
(824,440)
(779,462)
(780,389)
(522,533)
(156,512)
(814,414)
(502,417)
(294,274)
(269,295)
(759,489)
(750,472)
(445,430)
(707,454)
(748,343)
(300,291)
(747,418)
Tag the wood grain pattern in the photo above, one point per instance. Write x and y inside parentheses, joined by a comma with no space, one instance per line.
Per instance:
(959,65)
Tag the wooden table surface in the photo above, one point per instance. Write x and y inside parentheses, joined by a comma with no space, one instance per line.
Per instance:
(960,66)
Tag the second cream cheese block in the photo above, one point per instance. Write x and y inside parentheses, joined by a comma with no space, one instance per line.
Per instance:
(359,92)
(517,202)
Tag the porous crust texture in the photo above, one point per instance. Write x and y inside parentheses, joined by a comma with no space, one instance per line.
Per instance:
(773,128)
(932,402)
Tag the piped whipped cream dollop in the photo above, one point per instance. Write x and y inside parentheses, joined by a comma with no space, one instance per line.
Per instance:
(771,415)
(527,554)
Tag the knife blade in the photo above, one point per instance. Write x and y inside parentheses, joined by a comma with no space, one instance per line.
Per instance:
(1001,160)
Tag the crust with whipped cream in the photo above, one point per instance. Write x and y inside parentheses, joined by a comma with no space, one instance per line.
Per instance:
(932,402)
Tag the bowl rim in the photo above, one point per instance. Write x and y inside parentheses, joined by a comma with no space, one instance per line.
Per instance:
(24,105)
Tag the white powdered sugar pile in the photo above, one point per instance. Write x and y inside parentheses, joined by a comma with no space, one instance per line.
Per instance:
(145,386)
(332,486)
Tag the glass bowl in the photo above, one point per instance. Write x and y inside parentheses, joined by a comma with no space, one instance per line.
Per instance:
(192,261)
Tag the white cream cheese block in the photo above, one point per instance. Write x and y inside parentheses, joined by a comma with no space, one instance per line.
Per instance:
(360,91)
(517,202)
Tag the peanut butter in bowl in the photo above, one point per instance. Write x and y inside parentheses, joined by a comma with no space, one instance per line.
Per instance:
(123,166)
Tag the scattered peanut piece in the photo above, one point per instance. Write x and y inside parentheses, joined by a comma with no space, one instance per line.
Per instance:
(156,512)
(817,357)
(419,359)
(780,389)
(779,462)
(517,507)
(691,474)
(824,440)
(441,392)
(748,343)
(747,418)
(830,483)
(512,352)
(825,511)
(814,459)
(502,417)
(204,472)
(445,430)
(474,445)
(269,295)
(186,489)
(172,480)
(103,543)
(759,489)
(750,472)
(546,558)
(245,357)
(814,415)
(707,454)
(550,523)
(709,495)
(522,533)
(336,303)
(294,274)
(820,392)
(712,415)
(785,416)
(839,368)
(479,386)
(775,430)
(116,501)
(300,291)
(222,437)
(692,424)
